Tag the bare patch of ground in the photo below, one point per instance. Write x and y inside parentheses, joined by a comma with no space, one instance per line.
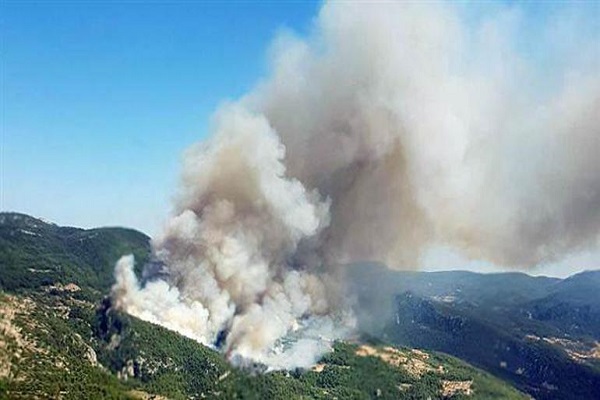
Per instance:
(12,340)
(59,287)
(141,395)
(414,362)
(451,388)
(318,367)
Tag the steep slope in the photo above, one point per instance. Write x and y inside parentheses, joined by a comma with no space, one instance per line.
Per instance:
(542,334)
(539,365)
(55,344)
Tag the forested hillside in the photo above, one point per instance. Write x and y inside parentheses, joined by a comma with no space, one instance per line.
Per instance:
(60,338)
(35,253)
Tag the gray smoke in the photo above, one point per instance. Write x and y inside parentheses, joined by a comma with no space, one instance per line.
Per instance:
(391,128)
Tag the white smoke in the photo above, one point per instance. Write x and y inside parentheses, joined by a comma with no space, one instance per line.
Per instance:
(228,249)
(391,128)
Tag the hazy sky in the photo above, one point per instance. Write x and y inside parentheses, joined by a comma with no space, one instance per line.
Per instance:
(100,100)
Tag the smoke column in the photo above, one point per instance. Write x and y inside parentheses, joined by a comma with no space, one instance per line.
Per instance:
(389,129)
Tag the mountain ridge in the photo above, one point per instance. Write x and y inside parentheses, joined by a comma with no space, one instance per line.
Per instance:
(541,334)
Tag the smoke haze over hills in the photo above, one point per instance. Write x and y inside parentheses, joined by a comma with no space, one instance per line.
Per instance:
(386,131)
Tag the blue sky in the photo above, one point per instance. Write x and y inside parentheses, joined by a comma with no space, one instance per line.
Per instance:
(99,100)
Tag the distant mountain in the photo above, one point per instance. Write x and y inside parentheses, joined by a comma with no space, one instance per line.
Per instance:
(59,338)
(572,306)
(540,333)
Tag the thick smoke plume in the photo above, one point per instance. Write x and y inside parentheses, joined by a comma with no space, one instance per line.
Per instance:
(391,128)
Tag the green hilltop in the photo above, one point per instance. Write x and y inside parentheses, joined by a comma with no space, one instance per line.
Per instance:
(35,253)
